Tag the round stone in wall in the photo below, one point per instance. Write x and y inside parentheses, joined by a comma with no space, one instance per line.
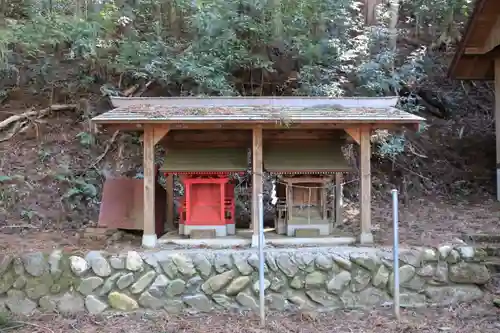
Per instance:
(35,263)
(99,264)
(78,265)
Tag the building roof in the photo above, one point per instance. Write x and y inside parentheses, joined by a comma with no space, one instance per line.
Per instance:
(474,58)
(255,110)
(314,159)
(206,160)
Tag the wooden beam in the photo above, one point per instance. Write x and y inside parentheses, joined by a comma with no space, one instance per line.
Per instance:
(299,180)
(497,122)
(149,236)
(366,236)
(257,181)
(246,136)
(491,42)
(160,132)
(354,133)
(266,126)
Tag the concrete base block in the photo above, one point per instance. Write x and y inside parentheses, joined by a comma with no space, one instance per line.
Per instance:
(220,230)
(202,234)
(304,233)
(323,229)
(231,229)
(366,238)
(149,241)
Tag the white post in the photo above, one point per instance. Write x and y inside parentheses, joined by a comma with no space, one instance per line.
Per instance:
(395,252)
(261,262)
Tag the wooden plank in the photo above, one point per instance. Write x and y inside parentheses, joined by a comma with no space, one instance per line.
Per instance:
(497,122)
(237,144)
(246,136)
(354,133)
(257,179)
(339,200)
(149,236)
(366,236)
(298,180)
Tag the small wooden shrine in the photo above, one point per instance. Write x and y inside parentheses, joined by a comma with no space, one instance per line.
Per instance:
(208,200)
(303,185)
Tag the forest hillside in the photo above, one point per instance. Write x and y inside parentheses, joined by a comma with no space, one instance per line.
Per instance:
(60,60)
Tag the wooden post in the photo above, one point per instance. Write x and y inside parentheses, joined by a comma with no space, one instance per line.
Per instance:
(149,236)
(366,236)
(170,203)
(151,136)
(339,200)
(257,181)
(497,122)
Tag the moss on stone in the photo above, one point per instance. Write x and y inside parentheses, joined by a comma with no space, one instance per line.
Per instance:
(65,282)
(37,287)
(6,282)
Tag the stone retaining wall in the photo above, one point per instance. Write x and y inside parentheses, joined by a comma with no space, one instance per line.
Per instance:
(207,280)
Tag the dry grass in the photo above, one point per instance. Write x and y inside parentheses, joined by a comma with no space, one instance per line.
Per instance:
(478,317)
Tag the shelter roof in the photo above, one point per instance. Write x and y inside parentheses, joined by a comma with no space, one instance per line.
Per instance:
(476,52)
(255,110)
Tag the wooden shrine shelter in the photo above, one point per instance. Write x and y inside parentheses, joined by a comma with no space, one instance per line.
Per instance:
(478,57)
(207,139)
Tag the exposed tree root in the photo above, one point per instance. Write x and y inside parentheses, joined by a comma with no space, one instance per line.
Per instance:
(21,122)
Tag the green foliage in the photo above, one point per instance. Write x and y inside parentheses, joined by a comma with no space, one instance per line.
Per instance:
(201,47)
(80,189)
(86,139)
(4,320)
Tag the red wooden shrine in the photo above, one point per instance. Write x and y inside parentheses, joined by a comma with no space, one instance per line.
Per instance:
(208,204)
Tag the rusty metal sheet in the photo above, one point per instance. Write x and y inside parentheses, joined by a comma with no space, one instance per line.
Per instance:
(122,205)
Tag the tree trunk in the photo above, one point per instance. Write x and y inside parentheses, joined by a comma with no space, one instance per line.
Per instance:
(393,23)
(370,17)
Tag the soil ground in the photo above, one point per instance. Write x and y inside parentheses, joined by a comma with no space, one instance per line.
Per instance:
(474,318)
(423,222)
